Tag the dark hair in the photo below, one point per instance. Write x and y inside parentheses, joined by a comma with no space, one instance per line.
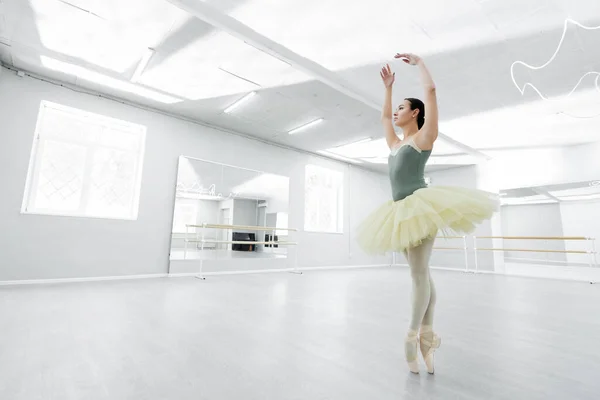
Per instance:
(416,104)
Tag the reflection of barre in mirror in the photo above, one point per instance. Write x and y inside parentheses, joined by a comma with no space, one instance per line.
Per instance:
(248,244)
(591,114)
(592,261)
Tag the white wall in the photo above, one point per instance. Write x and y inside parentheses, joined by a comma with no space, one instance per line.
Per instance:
(468,177)
(45,247)
(208,212)
(245,212)
(533,220)
(581,218)
(271,219)
(275,204)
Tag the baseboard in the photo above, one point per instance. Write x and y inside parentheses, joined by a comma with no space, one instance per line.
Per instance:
(74,280)
(264,271)
(215,273)
(187,274)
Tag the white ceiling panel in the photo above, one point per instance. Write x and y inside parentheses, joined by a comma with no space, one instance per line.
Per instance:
(341,35)
(218,64)
(543,123)
(110,34)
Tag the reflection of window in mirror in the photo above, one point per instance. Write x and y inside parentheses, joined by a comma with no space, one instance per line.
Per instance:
(184,214)
(281,224)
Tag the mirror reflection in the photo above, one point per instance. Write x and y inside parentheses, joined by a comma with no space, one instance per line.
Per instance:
(223,211)
(551,225)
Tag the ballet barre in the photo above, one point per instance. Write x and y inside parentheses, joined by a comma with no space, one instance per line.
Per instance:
(591,251)
(464,248)
(202,240)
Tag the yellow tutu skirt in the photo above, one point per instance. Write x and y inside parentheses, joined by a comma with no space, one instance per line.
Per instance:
(398,225)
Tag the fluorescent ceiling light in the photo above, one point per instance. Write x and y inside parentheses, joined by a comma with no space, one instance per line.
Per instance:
(104,80)
(580,197)
(520,202)
(536,199)
(143,64)
(375,160)
(461,159)
(305,126)
(239,102)
(364,148)
(582,191)
(332,155)
(365,140)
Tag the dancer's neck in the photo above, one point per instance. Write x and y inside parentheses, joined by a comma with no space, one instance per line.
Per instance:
(409,131)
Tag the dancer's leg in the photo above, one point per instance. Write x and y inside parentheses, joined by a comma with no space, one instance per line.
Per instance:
(428,317)
(418,260)
(428,340)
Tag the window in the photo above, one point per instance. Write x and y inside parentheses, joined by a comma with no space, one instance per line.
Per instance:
(84,165)
(323,202)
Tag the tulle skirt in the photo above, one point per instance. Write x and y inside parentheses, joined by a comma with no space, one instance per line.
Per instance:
(398,225)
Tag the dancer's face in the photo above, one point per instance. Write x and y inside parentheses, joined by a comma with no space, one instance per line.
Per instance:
(403,114)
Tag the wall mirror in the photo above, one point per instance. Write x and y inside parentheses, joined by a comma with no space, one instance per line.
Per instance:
(220,210)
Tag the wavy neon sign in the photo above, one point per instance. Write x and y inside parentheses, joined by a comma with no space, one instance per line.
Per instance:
(532,67)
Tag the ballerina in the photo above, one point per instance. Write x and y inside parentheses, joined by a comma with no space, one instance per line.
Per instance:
(410,221)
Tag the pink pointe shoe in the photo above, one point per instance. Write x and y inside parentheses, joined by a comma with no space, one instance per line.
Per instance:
(428,343)
(410,348)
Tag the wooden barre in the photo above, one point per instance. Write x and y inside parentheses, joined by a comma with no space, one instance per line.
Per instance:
(448,248)
(535,237)
(539,251)
(236,242)
(246,227)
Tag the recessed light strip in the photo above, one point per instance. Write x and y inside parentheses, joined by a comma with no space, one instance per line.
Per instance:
(365,140)
(332,155)
(239,102)
(305,126)
(142,65)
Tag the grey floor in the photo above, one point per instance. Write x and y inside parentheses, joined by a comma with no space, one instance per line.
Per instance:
(321,335)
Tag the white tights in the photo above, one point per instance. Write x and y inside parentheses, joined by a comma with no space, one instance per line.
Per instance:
(424,296)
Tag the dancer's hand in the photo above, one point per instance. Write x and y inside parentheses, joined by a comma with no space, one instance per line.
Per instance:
(387,76)
(409,58)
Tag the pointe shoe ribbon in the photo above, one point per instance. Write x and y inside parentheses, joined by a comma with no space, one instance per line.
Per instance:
(432,345)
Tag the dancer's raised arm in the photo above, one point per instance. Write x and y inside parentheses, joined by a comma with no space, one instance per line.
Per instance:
(388,77)
(429,131)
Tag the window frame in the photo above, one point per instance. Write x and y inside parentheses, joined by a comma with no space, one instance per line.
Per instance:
(35,162)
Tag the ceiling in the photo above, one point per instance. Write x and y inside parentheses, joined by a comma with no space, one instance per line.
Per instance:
(510,74)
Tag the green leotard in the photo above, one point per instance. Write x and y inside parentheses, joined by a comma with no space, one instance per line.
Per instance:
(407,169)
